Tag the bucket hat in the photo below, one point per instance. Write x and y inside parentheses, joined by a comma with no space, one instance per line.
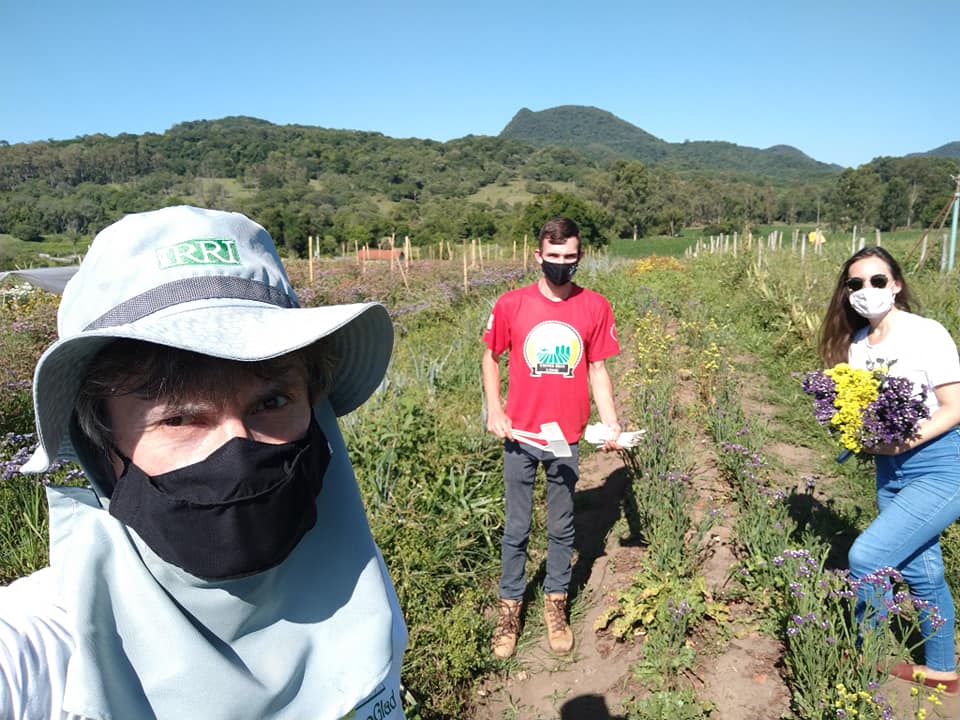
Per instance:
(207,281)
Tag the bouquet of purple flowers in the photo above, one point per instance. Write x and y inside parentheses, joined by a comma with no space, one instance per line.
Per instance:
(865,408)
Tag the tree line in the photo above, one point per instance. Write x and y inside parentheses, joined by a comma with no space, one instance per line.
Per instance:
(351,187)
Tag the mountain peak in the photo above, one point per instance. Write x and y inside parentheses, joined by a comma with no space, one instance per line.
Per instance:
(602,136)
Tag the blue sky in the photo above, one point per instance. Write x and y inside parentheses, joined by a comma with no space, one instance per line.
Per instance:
(842,80)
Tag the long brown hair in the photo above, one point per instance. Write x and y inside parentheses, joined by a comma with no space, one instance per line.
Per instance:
(841,321)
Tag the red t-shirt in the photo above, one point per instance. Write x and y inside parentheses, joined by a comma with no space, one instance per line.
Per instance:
(550,345)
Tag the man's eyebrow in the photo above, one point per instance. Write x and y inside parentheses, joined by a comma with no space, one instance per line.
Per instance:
(286,381)
(287,378)
(167,408)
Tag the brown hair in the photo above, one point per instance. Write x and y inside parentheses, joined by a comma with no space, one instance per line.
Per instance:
(841,321)
(558,230)
(134,367)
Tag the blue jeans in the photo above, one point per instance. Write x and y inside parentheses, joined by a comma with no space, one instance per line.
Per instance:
(520,463)
(918,495)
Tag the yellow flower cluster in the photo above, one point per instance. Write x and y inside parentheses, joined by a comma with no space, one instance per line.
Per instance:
(654,349)
(656,262)
(24,299)
(711,358)
(856,388)
(853,703)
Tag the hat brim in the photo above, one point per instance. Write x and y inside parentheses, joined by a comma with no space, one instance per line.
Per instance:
(361,337)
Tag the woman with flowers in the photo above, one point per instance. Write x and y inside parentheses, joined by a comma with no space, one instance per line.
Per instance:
(869,324)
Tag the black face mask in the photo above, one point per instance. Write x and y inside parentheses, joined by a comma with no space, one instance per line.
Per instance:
(239,512)
(559,273)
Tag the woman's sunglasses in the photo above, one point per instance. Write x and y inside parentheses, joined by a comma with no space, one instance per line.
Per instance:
(878,281)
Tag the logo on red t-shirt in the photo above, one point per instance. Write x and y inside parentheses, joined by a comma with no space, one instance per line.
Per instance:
(553,348)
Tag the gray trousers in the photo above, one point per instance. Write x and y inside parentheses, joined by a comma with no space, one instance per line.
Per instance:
(520,463)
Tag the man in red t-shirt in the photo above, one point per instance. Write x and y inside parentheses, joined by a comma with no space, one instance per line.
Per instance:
(558,336)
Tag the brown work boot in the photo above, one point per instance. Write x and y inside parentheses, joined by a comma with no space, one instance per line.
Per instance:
(559,633)
(508,628)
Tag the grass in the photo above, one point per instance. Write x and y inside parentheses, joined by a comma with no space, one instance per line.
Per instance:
(16,253)
(642,247)
(514,192)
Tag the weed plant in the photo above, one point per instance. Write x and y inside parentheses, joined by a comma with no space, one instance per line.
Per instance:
(669,705)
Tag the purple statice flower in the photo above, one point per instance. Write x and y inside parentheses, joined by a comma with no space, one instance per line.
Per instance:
(894,415)
(678,610)
(824,391)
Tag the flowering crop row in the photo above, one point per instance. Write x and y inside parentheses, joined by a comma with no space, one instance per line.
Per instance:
(835,669)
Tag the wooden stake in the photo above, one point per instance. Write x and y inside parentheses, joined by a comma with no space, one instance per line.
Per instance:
(403,275)
(310,256)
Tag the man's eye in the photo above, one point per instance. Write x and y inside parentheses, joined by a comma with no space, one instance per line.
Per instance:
(275,402)
(176,420)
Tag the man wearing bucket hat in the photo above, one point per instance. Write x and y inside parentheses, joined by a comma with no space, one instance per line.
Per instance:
(222,565)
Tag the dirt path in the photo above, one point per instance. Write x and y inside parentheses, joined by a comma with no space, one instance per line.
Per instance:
(595,679)
(741,679)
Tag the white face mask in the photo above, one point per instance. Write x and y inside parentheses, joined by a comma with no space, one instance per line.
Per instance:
(871,302)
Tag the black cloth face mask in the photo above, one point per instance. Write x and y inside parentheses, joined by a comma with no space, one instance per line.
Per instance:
(240,511)
(559,273)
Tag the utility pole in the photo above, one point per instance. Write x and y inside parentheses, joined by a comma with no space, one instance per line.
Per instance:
(953,224)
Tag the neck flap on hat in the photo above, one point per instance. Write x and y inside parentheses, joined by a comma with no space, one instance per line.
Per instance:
(315,636)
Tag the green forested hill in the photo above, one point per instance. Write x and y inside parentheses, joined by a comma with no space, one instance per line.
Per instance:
(351,188)
(594,132)
(950,150)
(601,135)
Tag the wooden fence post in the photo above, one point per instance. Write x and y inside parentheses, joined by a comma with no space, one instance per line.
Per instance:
(310,256)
